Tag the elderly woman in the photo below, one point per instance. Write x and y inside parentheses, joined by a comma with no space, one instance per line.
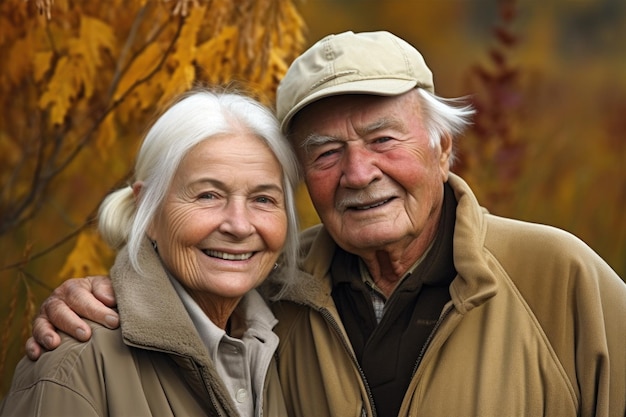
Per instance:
(209,213)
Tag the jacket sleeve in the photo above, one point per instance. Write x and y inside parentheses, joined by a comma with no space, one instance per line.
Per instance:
(580,304)
(67,381)
(600,339)
(46,398)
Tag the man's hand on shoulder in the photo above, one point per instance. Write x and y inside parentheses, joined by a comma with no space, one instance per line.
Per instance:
(90,297)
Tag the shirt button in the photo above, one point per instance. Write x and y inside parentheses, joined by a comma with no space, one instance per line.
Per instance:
(241,395)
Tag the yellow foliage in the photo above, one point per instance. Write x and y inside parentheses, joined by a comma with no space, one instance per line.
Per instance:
(76,72)
(61,90)
(216,56)
(141,66)
(90,256)
(95,37)
(186,47)
(180,80)
(41,63)
(106,135)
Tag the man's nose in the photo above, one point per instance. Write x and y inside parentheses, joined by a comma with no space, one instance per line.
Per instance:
(359,167)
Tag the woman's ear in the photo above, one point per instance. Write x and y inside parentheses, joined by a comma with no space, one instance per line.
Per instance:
(137,186)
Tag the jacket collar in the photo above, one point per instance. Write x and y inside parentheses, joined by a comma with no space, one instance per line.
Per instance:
(475,281)
(151,312)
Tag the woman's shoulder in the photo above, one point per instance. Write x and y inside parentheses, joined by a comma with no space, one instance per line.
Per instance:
(73,360)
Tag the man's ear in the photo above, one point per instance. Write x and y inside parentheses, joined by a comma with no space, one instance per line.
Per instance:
(444,157)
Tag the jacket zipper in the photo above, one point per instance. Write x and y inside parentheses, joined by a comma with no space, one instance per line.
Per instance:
(328,316)
(430,338)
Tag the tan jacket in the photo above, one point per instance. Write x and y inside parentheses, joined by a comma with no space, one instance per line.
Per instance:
(536,327)
(155,365)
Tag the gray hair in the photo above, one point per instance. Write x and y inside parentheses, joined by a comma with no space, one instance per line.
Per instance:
(196,116)
(445,116)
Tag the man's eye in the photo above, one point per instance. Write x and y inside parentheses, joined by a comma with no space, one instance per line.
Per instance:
(207,196)
(326,153)
(383,139)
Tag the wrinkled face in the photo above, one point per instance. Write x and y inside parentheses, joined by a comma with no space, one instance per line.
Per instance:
(223,222)
(373,176)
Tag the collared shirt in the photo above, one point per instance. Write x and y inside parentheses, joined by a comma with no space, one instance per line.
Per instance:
(378,298)
(242,362)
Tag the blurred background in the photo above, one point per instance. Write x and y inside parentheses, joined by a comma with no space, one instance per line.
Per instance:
(80,81)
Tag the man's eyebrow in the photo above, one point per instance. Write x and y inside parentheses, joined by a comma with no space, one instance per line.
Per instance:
(380,124)
(314,139)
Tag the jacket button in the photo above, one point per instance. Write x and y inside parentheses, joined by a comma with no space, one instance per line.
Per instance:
(241,395)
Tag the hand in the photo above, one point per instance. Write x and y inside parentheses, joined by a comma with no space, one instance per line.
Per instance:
(90,297)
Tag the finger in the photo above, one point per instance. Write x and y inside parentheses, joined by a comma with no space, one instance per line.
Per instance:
(45,334)
(78,296)
(56,314)
(102,289)
(33,349)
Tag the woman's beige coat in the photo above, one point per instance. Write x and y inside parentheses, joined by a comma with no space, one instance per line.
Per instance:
(155,365)
(536,327)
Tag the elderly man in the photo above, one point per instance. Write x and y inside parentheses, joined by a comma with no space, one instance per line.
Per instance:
(415,300)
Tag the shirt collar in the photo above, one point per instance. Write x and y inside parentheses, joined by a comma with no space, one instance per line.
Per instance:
(257,318)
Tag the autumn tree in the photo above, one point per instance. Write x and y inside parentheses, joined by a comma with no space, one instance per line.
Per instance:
(80,82)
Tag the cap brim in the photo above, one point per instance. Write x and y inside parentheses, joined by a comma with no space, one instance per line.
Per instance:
(377,87)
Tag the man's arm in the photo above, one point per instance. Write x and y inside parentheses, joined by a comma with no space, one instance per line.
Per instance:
(90,297)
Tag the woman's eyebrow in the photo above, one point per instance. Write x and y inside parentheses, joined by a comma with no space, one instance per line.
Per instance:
(262,187)
(269,187)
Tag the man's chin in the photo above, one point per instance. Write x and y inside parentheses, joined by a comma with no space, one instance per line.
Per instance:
(364,238)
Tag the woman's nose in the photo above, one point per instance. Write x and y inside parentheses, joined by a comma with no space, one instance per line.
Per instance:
(237,221)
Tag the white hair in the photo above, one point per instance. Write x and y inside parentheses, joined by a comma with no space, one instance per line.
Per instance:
(445,116)
(196,116)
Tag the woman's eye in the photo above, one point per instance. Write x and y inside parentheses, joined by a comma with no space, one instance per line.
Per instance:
(207,196)
(263,200)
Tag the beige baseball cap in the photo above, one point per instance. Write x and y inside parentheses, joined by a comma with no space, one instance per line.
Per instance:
(377,63)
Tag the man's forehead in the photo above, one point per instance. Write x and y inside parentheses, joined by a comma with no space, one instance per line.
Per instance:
(364,113)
